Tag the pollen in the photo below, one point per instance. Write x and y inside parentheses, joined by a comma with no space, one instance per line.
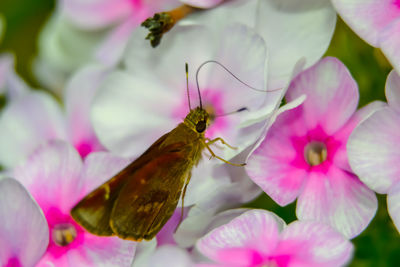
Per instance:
(315,153)
(63,234)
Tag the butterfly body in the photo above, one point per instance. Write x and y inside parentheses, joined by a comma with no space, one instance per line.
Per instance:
(137,202)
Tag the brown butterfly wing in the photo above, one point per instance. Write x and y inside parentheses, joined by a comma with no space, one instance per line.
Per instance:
(94,211)
(148,200)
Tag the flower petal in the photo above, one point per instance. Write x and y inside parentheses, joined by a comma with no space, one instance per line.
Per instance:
(339,199)
(118,113)
(202,3)
(315,244)
(168,253)
(368,17)
(79,94)
(308,24)
(340,157)
(24,234)
(327,84)
(27,122)
(96,14)
(392,90)
(393,200)
(255,229)
(51,174)
(10,83)
(373,150)
(389,41)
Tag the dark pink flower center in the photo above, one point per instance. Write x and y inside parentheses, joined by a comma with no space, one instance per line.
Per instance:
(315,153)
(397,3)
(13,262)
(137,3)
(84,149)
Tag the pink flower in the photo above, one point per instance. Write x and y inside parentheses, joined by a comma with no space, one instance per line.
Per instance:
(35,117)
(24,234)
(304,153)
(57,179)
(373,149)
(260,238)
(376,21)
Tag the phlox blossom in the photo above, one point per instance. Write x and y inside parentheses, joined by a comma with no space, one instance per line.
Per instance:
(304,156)
(260,238)
(373,149)
(57,179)
(376,21)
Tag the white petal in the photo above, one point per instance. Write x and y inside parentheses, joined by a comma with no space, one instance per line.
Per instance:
(25,123)
(393,200)
(374,149)
(168,254)
(389,41)
(392,90)
(129,113)
(23,228)
(202,3)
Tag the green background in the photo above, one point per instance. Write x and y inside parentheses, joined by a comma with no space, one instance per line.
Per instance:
(379,244)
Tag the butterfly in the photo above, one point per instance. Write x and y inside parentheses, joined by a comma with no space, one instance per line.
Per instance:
(137,202)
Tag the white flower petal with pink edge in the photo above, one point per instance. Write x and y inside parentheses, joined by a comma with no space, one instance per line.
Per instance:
(374,150)
(392,90)
(314,244)
(202,3)
(256,230)
(327,84)
(339,199)
(24,234)
(298,244)
(57,179)
(368,17)
(389,41)
(31,119)
(78,96)
(340,158)
(393,201)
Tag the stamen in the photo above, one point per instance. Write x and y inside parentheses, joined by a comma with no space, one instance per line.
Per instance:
(315,153)
(63,234)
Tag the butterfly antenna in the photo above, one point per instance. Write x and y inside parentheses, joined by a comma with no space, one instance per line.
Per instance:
(230,72)
(232,112)
(187,84)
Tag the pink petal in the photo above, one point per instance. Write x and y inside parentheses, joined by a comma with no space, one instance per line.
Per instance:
(314,244)
(30,120)
(389,41)
(51,174)
(24,234)
(79,94)
(96,14)
(278,165)
(392,90)
(373,150)
(128,119)
(327,84)
(368,17)
(393,200)
(254,230)
(340,157)
(339,199)
(202,3)
(308,24)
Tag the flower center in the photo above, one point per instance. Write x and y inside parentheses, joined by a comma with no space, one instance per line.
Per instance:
(63,234)
(315,153)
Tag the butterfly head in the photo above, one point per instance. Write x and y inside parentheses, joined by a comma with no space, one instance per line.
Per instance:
(198,120)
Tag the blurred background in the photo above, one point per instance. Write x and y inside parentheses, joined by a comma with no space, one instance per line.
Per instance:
(378,245)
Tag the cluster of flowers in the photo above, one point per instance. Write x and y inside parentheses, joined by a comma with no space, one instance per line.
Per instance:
(119,95)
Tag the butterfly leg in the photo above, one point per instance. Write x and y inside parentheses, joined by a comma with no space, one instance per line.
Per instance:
(183,200)
(212,141)
(218,157)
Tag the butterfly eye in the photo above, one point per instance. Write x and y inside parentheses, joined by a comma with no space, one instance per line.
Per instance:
(201,126)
